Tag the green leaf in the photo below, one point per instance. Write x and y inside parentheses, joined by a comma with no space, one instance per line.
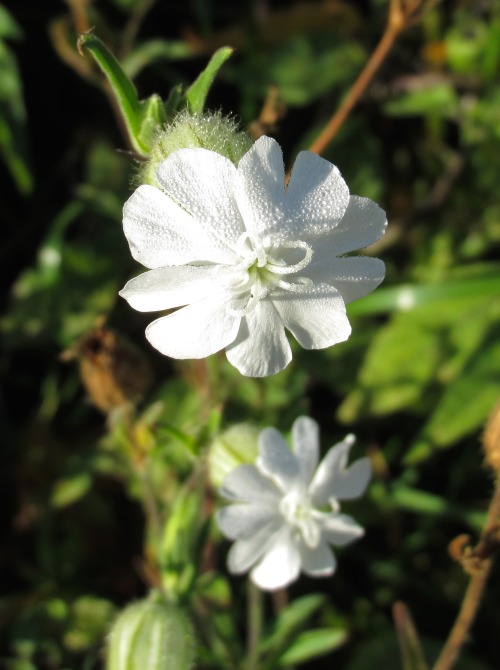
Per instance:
(13,138)
(400,364)
(198,91)
(430,504)
(291,619)
(70,489)
(466,403)
(88,622)
(406,297)
(310,644)
(439,99)
(141,117)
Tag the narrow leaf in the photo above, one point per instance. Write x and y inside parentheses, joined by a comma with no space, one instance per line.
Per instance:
(198,91)
(312,643)
(123,89)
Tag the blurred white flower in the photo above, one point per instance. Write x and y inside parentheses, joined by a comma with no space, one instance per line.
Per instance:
(285,513)
(248,256)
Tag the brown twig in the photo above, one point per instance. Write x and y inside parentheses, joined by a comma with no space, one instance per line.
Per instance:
(401,14)
(478,564)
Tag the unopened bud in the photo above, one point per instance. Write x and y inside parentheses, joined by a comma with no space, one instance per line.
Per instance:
(151,635)
(491,440)
(194,131)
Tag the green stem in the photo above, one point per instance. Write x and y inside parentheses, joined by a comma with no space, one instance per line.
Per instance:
(254,617)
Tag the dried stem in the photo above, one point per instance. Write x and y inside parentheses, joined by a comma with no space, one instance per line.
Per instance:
(401,13)
(479,565)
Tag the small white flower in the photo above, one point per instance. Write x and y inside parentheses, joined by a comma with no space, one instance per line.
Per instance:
(285,512)
(248,256)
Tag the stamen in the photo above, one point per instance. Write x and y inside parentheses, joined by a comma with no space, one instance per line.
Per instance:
(291,269)
(259,253)
(302,284)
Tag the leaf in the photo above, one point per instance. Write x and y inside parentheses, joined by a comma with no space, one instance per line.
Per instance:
(70,489)
(400,364)
(406,297)
(88,622)
(141,117)
(289,620)
(310,644)
(466,403)
(198,91)
(440,98)
(430,504)
(13,138)
(9,28)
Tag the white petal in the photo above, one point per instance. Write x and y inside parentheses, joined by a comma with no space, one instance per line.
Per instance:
(362,224)
(280,564)
(261,347)
(247,484)
(244,553)
(316,317)
(239,522)
(317,196)
(260,187)
(353,277)
(334,480)
(277,461)
(317,562)
(305,440)
(161,233)
(195,331)
(168,287)
(203,183)
(340,529)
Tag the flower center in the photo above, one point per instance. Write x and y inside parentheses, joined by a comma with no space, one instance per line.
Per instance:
(297,510)
(263,265)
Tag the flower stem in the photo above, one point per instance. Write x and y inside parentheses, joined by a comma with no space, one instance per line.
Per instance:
(400,14)
(254,617)
(480,561)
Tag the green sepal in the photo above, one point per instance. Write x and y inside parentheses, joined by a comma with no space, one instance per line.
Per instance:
(174,102)
(142,118)
(197,93)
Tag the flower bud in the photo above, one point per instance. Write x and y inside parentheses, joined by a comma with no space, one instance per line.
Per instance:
(151,635)
(491,440)
(235,446)
(193,131)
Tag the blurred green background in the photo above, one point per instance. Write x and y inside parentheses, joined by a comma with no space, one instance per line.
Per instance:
(415,382)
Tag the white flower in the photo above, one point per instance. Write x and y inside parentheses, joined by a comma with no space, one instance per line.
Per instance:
(249,256)
(285,512)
